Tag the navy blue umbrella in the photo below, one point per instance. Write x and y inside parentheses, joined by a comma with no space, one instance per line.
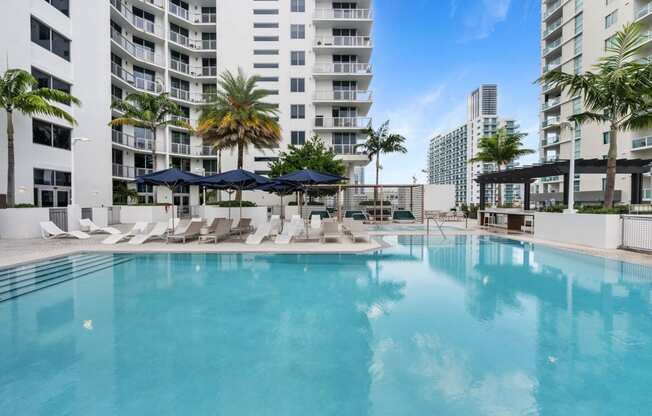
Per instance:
(170,178)
(310,177)
(281,189)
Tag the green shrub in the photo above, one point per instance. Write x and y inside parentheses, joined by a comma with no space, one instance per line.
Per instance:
(554,208)
(601,210)
(24,206)
(307,203)
(233,204)
(375,203)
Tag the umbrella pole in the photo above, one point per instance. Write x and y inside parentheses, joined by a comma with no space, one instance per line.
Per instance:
(240,220)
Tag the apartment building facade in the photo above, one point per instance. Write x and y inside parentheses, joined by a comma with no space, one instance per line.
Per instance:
(574,36)
(314,57)
(449,153)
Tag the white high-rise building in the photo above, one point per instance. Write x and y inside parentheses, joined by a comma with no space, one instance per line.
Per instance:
(313,55)
(449,153)
(574,36)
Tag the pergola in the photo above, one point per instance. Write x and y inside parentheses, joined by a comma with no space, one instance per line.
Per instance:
(528,174)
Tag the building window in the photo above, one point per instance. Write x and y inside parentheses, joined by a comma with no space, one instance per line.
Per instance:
(62,5)
(264,25)
(266,65)
(265,11)
(577,105)
(577,65)
(298,138)
(579,23)
(297,31)
(298,6)
(49,134)
(578,45)
(611,19)
(297,58)
(297,85)
(49,39)
(298,111)
(46,80)
(605,137)
(265,38)
(265,51)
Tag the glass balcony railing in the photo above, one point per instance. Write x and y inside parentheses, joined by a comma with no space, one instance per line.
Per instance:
(550,121)
(552,27)
(553,102)
(137,51)
(551,46)
(552,65)
(127,140)
(343,41)
(135,81)
(353,68)
(642,143)
(643,11)
(342,122)
(551,8)
(138,22)
(342,95)
(344,14)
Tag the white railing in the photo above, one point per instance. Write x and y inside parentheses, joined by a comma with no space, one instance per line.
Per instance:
(204,71)
(179,94)
(342,122)
(192,97)
(209,44)
(204,151)
(140,143)
(348,149)
(349,14)
(200,18)
(157,3)
(551,139)
(344,41)
(180,148)
(179,66)
(342,95)
(179,11)
(206,18)
(136,82)
(137,51)
(137,21)
(122,171)
(642,143)
(343,68)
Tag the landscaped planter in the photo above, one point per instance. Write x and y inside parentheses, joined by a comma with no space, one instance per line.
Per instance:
(130,214)
(593,230)
(17,223)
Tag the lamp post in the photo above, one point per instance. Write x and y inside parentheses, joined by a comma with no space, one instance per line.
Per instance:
(74,141)
(571,170)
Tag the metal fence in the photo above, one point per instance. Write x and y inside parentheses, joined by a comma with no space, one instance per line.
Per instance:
(637,232)
(114,215)
(87,214)
(59,216)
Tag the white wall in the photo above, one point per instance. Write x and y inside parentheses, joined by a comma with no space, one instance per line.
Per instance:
(593,230)
(19,223)
(438,197)
(131,214)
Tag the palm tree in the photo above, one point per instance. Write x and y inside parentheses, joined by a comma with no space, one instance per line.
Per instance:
(382,141)
(238,117)
(151,112)
(19,92)
(501,149)
(618,94)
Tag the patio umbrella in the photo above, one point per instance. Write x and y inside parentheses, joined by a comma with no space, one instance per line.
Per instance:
(281,189)
(170,178)
(237,179)
(310,177)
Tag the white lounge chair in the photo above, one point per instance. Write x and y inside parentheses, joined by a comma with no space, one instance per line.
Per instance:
(49,230)
(261,233)
(173,223)
(357,231)
(276,224)
(315,226)
(92,228)
(138,228)
(159,232)
(330,230)
(290,231)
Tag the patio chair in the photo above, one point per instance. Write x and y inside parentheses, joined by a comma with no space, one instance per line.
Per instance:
(357,231)
(138,228)
(261,233)
(330,230)
(244,226)
(290,231)
(323,214)
(90,227)
(49,231)
(315,226)
(276,224)
(192,231)
(403,217)
(159,232)
(173,223)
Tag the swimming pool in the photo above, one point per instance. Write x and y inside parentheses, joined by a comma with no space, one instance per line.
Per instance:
(466,325)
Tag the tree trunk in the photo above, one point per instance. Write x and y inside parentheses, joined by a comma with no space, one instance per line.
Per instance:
(497,189)
(11,185)
(238,196)
(612,157)
(154,162)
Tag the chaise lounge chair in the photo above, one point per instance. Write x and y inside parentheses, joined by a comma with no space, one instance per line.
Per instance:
(190,232)
(276,223)
(49,230)
(357,231)
(138,228)
(315,226)
(330,230)
(291,230)
(261,233)
(92,228)
(403,217)
(244,226)
(159,232)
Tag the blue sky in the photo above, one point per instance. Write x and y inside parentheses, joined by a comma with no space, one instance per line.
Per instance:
(430,54)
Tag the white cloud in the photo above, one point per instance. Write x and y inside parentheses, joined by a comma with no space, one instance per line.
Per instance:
(480,20)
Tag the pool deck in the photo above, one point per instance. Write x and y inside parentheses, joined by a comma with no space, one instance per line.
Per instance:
(16,252)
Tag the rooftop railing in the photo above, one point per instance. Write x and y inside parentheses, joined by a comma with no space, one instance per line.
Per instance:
(343,41)
(345,14)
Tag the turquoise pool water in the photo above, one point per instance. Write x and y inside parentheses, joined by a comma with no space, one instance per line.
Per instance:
(457,326)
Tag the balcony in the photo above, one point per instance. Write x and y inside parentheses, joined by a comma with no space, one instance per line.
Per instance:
(643,12)
(129,172)
(352,68)
(134,81)
(197,44)
(204,151)
(342,123)
(554,64)
(204,71)
(136,51)
(343,41)
(552,9)
(347,96)
(551,28)
(191,97)
(180,148)
(197,18)
(179,11)
(550,140)
(643,143)
(551,103)
(342,14)
(136,21)
(127,140)
(551,46)
(551,122)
